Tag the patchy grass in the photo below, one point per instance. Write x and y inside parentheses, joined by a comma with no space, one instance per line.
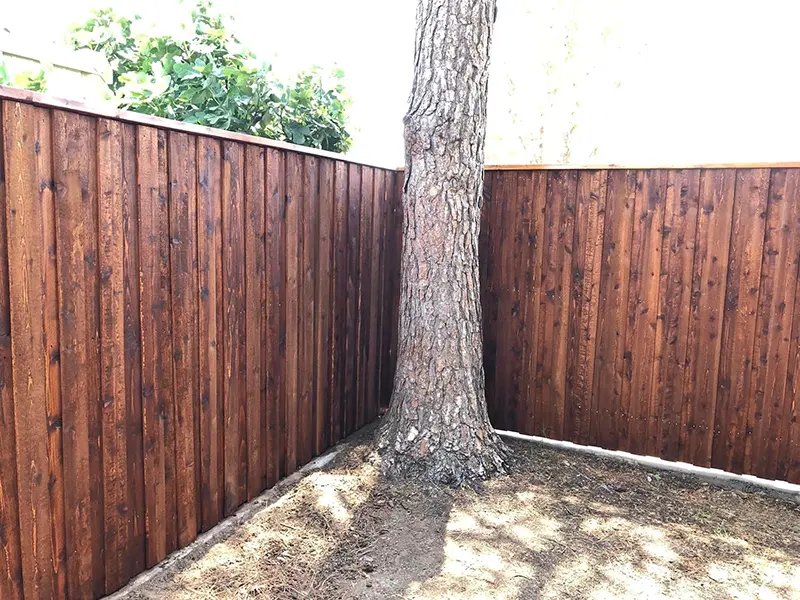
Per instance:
(564,525)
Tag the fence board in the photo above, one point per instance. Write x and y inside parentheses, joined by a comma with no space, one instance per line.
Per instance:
(136,554)
(294,200)
(339,302)
(587,254)
(209,246)
(309,242)
(183,286)
(10,560)
(739,322)
(351,335)
(112,351)
(672,326)
(276,314)
(234,326)
(324,350)
(27,201)
(255,314)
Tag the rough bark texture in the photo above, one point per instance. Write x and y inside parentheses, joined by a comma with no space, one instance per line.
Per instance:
(437,427)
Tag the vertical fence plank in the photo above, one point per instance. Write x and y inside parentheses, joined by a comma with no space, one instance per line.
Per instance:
(276,315)
(254,281)
(351,341)
(156,342)
(112,351)
(339,301)
(393,275)
(534,225)
(788,463)
(672,327)
(587,251)
(183,285)
(294,199)
(26,130)
(612,310)
(74,156)
(375,301)
(133,354)
(560,210)
(364,289)
(740,317)
(234,326)
(52,353)
(643,306)
(309,242)
(209,261)
(324,348)
(504,193)
(709,273)
(776,320)
(11,585)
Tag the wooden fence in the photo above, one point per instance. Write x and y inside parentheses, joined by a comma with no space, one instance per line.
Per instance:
(186,315)
(654,311)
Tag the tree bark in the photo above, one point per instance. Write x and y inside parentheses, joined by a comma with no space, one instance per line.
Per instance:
(437,427)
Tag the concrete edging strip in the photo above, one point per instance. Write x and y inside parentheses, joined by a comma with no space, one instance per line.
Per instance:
(777,489)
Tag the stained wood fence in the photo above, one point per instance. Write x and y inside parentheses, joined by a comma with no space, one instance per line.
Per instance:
(186,316)
(654,311)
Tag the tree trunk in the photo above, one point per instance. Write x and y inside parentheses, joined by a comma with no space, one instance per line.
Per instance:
(437,427)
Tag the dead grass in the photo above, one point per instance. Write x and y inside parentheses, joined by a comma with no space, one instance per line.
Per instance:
(564,525)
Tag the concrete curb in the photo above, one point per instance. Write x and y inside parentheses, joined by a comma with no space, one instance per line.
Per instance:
(782,490)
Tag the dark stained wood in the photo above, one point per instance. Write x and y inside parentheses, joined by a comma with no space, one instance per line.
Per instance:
(533,232)
(183,285)
(156,343)
(504,194)
(309,241)
(234,326)
(339,302)
(667,437)
(254,290)
(294,200)
(10,559)
(26,130)
(133,354)
(74,162)
(587,255)
(740,316)
(276,314)
(364,299)
(609,415)
(324,318)
(558,239)
(210,307)
(351,333)
(709,276)
(375,300)
(492,186)
(391,284)
(645,277)
(788,463)
(112,352)
(776,319)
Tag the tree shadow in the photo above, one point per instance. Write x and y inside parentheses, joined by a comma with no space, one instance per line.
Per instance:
(561,526)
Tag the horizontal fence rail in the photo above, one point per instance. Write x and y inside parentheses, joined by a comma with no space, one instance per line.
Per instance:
(184,319)
(654,311)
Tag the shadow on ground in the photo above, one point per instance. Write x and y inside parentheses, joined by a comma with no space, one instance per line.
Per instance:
(564,525)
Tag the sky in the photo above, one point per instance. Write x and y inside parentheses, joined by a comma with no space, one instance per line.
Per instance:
(571,81)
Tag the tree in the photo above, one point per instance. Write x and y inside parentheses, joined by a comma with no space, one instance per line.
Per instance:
(207,77)
(437,427)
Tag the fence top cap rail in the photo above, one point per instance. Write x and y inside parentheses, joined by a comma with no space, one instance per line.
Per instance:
(633,167)
(108,112)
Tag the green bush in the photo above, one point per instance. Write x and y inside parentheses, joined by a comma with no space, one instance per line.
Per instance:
(209,78)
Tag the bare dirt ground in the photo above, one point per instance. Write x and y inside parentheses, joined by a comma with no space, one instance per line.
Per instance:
(564,525)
